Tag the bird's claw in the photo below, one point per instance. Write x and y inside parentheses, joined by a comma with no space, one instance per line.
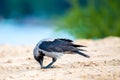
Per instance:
(46,67)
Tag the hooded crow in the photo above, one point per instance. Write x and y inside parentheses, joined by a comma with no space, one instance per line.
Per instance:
(55,48)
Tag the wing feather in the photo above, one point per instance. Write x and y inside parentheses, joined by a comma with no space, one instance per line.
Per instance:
(59,45)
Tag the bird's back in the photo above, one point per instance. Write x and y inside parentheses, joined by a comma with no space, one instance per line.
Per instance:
(58,45)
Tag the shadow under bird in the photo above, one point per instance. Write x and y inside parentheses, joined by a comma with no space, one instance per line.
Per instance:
(55,48)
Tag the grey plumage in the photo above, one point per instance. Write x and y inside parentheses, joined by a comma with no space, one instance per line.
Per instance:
(55,48)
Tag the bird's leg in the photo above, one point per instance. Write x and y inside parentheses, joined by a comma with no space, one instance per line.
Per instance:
(50,64)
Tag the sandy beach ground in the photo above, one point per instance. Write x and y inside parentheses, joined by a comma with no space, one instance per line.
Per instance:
(17,63)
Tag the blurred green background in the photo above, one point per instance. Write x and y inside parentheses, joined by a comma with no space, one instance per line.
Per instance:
(80,18)
(93,18)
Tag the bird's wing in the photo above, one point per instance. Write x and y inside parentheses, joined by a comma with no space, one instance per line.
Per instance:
(60,48)
(57,45)
(63,42)
(67,40)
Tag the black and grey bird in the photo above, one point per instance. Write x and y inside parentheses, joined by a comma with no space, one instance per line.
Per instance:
(55,48)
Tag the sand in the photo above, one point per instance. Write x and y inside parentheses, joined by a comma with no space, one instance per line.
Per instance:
(17,63)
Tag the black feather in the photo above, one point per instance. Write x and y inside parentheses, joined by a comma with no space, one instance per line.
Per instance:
(68,40)
(83,54)
(75,45)
(82,50)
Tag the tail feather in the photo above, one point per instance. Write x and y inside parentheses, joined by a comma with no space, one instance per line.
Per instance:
(75,45)
(82,50)
(83,54)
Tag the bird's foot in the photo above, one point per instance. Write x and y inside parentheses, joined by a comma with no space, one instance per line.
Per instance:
(47,67)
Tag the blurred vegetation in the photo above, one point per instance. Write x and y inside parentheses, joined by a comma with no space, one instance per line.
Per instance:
(81,18)
(92,19)
(37,8)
